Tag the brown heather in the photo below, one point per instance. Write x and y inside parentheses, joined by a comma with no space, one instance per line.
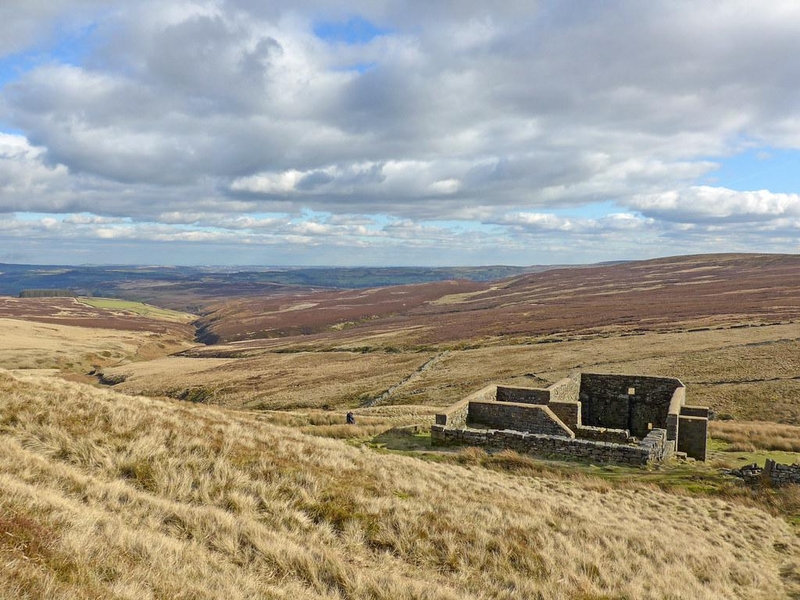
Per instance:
(104,495)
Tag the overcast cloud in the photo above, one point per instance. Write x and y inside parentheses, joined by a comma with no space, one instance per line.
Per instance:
(355,132)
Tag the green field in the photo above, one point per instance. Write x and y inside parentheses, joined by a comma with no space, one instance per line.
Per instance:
(719,453)
(139,308)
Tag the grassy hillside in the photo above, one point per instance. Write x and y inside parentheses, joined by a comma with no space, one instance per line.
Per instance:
(138,308)
(749,373)
(104,495)
(76,337)
(728,326)
(31,345)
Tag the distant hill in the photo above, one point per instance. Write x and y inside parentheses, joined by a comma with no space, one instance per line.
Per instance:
(189,288)
(663,294)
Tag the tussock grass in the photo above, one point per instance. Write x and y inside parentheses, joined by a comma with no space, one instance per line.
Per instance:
(369,421)
(304,381)
(749,436)
(130,497)
(676,478)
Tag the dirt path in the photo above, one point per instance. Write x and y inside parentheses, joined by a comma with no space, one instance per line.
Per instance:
(422,368)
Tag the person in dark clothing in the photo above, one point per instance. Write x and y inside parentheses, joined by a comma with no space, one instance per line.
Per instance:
(351,418)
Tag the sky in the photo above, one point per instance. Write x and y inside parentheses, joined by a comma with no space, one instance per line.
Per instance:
(389,132)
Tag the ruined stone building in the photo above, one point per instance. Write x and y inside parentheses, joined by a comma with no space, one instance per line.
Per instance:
(628,419)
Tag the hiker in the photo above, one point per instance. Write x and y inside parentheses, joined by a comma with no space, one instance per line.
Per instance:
(351,418)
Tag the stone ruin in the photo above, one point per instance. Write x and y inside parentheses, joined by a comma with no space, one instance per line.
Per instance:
(772,474)
(628,419)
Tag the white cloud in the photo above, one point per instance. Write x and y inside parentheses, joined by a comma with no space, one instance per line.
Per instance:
(704,203)
(550,223)
(83,219)
(207,114)
(26,182)
(266,183)
(445,186)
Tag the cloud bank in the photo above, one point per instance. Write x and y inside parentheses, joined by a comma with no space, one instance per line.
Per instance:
(362,132)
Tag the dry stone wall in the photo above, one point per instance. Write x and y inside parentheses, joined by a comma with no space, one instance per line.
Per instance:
(773,473)
(654,447)
(522,417)
(602,434)
(455,416)
(780,474)
(568,412)
(693,436)
(635,403)
(523,395)
(607,411)
(566,390)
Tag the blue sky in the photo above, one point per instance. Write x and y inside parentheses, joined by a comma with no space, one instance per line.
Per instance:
(377,133)
(355,30)
(777,170)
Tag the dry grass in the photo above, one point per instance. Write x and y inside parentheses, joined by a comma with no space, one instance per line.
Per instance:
(369,421)
(110,496)
(303,380)
(138,308)
(32,345)
(748,436)
(750,373)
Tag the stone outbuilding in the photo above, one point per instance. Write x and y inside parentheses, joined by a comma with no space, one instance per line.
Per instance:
(631,419)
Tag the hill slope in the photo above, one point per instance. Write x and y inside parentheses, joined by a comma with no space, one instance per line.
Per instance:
(110,496)
(656,295)
(76,337)
(728,326)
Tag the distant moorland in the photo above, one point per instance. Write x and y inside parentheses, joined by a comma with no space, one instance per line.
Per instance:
(187,288)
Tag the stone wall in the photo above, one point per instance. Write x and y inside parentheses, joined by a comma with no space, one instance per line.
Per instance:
(694,411)
(568,412)
(602,434)
(635,403)
(594,408)
(522,395)
(772,474)
(693,436)
(657,445)
(521,417)
(454,416)
(566,390)
(470,437)
(780,474)
(652,448)
(678,400)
